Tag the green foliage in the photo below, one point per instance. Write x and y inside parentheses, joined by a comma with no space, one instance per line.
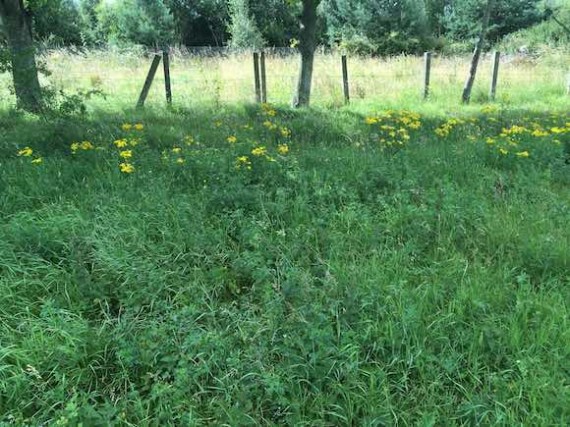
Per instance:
(243,29)
(462,18)
(200,22)
(56,21)
(279,26)
(345,283)
(362,26)
(145,22)
(90,31)
(374,27)
(546,35)
(4,56)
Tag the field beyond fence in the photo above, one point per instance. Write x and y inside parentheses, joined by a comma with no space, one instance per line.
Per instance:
(206,76)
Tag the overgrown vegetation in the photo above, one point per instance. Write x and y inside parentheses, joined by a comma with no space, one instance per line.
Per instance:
(368,26)
(260,265)
(268,266)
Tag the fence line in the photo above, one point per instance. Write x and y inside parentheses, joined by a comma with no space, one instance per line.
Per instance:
(223,75)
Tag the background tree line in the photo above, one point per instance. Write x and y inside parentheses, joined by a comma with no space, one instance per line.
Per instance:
(380,27)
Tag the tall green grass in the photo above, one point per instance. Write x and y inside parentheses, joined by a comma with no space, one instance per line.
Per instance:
(346,283)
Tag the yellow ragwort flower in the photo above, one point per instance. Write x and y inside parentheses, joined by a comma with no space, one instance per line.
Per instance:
(74,147)
(126,168)
(126,154)
(232,139)
(121,143)
(243,162)
(503,151)
(139,126)
(371,120)
(86,145)
(177,150)
(26,152)
(259,151)
(282,149)
(269,110)
(269,125)
(37,161)
(127,126)
(180,161)
(539,133)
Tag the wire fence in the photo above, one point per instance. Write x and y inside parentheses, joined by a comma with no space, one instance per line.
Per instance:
(224,76)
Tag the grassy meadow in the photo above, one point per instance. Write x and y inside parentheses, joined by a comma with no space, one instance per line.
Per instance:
(224,263)
(222,77)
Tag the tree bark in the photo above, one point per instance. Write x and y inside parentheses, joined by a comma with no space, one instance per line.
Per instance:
(17,25)
(466,97)
(307,46)
(564,27)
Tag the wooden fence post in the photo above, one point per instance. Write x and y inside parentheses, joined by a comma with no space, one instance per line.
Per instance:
(345,80)
(427,73)
(263,77)
(148,81)
(495,77)
(256,77)
(167,86)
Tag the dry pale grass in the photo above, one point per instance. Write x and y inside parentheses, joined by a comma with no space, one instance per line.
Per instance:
(219,80)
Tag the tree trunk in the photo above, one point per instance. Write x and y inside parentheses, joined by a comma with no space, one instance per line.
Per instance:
(307,46)
(562,25)
(17,25)
(477,54)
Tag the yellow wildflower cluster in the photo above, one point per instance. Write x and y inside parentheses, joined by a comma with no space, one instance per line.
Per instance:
(393,127)
(514,130)
(446,128)
(28,152)
(283,149)
(405,118)
(243,162)
(128,127)
(285,132)
(516,138)
(126,145)
(121,143)
(25,152)
(126,167)
(270,125)
(126,154)
(268,110)
(489,109)
(560,130)
(259,151)
(539,133)
(83,146)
